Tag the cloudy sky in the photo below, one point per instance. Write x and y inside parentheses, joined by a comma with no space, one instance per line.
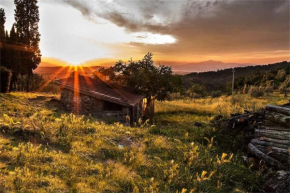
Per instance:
(181,31)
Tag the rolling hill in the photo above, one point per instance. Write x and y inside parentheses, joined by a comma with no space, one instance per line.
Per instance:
(214,80)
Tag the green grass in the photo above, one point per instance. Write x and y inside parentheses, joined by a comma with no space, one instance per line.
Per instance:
(43,149)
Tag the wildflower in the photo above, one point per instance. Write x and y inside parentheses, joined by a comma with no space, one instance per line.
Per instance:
(203,177)
(219,185)
(210,142)
(223,158)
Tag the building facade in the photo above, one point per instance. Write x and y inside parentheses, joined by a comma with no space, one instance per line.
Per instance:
(100,99)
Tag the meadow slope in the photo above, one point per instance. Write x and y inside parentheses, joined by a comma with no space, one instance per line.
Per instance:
(43,149)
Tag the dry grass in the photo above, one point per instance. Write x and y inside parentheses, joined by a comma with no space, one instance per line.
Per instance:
(43,149)
(224,105)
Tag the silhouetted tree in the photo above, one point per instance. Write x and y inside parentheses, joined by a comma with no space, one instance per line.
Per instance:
(2,32)
(154,82)
(26,23)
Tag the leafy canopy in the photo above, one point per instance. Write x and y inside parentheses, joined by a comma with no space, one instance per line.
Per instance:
(144,77)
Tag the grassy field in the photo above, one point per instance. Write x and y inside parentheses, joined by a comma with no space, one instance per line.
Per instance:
(43,149)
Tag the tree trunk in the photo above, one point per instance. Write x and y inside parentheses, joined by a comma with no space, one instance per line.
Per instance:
(275,153)
(152,109)
(147,109)
(268,160)
(278,118)
(274,127)
(27,81)
(272,134)
(278,109)
(268,143)
(281,151)
(277,141)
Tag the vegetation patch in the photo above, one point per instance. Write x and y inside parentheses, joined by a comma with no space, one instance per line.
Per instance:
(47,150)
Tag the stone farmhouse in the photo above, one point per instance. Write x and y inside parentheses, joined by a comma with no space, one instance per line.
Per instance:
(88,96)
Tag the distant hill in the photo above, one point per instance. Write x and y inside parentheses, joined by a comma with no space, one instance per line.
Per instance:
(217,80)
(59,72)
(210,65)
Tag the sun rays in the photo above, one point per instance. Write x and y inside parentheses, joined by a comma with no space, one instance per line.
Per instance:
(77,76)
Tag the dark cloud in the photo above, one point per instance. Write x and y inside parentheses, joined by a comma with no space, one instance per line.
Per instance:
(200,26)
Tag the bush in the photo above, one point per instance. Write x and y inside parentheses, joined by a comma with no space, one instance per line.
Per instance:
(256,92)
(216,94)
(5,78)
(196,91)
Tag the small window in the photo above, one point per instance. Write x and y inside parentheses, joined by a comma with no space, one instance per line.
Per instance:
(108,106)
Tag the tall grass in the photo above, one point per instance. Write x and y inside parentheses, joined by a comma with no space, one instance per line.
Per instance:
(43,149)
(224,105)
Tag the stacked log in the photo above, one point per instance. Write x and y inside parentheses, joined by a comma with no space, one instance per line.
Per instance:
(271,142)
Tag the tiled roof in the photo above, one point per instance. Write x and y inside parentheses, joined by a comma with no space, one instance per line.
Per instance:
(100,89)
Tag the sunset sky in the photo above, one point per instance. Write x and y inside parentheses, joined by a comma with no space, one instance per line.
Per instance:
(182,31)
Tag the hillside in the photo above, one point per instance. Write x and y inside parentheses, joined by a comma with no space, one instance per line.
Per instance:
(44,149)
(218,80)
(210,65)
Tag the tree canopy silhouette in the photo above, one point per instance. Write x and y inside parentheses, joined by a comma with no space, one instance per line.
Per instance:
(2,32)
(26,24)
(20,48)
(154,82)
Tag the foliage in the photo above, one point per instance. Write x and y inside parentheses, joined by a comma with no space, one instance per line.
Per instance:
(251,75)
(37,83)
(144,77)
(21,51)
(216,93)
(256,92)
(2,27)
(46,150)
(285,86)
(196,91)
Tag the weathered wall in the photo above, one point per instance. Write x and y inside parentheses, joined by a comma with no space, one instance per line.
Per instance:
(90,106)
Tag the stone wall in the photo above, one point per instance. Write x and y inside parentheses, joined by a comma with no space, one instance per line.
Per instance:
(87,105)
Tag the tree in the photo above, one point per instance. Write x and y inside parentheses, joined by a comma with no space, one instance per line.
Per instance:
(154,82)
(2,32)
(26,23)
(285,86)
(256,91)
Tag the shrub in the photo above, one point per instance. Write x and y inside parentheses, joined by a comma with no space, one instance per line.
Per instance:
(196,91)
(216,94)
(256,92)
(5,78)
(284,88)
(245,89)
